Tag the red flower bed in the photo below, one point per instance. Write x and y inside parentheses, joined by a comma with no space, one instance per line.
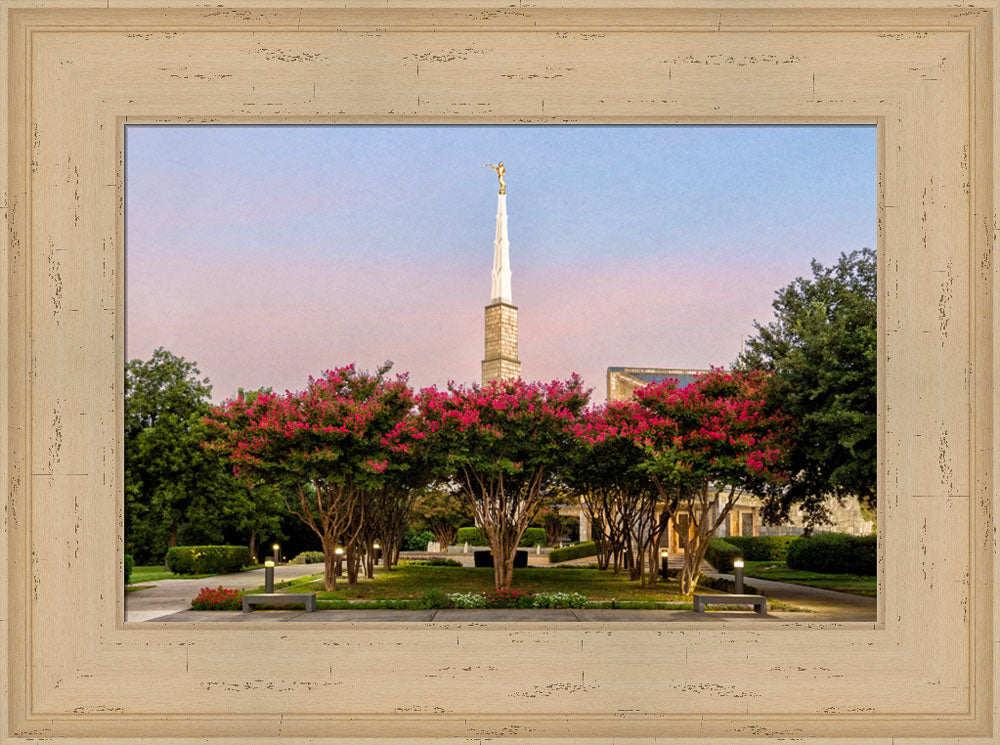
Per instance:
(218,599)
(512,598)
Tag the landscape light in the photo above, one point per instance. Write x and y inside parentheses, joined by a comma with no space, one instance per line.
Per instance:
(738,563)
(269,562)
(338,551)
(268,576)
(376,546)
(664,554)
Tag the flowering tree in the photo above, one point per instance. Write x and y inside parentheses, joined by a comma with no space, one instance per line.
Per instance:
(619,496)
(715,434)
(327,443)
(504,442)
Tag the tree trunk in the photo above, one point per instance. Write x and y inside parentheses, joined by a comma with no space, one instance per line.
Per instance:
(353,564)
(329,565)
(253,546)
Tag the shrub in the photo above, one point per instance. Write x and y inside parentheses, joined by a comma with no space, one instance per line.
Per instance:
(309,557)
(834,553)
(472,536)
(721,554)
(218,599)
(512,598)
(762,547)
(430,561)
(477,537)
(580,550)
(532,537)
(416,540)
(467,600)
(435,599)
(560,600)
(128,568)
(207,559)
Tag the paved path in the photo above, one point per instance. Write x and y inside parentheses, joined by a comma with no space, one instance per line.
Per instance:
(172,595)
(826,605)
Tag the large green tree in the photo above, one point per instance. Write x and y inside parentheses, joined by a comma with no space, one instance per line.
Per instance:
(821,349)
(166,469)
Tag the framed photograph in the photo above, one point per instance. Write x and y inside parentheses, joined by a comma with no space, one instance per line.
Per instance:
(80,76)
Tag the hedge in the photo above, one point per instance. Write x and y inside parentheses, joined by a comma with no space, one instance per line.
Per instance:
(129,563)
(207,559)
(721,554)
(579,551)
(477,537)
(416,540)
(762,547)
(834,553)
(309,557)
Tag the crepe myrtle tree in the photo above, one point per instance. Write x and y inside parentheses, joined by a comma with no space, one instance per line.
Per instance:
(707,445)
(504,442)
(326,443)
(618,494)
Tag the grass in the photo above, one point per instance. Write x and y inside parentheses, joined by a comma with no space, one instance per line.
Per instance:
(779,572)
(152,573)
(402,587)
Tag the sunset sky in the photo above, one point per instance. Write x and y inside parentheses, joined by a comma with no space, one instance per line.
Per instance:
(270,253)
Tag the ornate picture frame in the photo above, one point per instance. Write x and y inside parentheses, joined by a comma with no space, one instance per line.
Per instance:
(79,71)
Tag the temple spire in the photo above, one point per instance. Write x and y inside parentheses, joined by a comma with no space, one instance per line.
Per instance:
(501,256)
(501,361)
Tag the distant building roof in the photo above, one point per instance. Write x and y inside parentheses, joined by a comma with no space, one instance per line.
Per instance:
(622,381)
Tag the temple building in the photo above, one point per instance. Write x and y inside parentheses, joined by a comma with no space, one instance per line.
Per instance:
(500,360)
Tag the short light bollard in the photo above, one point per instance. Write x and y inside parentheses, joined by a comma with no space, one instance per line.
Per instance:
(276,548)
(664,556)
(269,576)
(738,567)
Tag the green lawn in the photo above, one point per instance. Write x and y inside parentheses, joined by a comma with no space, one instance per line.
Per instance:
(779,572)
(152,573)
(411,582)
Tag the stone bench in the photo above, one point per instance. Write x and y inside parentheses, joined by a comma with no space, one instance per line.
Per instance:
(759,602)
(283,598)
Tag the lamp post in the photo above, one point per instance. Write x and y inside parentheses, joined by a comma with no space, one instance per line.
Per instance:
(276,548)
(268,576)
(738,567)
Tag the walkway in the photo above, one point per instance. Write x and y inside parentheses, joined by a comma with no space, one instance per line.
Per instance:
(172,595)
(826,605)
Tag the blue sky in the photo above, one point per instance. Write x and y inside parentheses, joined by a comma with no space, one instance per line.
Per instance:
(269,253)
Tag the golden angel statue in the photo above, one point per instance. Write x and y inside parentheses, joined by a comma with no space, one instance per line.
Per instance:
(500,172)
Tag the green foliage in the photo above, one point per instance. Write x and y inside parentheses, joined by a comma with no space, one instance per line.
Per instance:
(129,563)
(443,512)
(309,557)
(477,537)
(762,547)
(430,561)
(821,348)
(173,486)
(207,559)
(435,599)
(416,540)
(472,536)
(720,554)
(834,553)
(579,551)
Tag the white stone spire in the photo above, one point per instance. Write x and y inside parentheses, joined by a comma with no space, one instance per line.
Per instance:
(501,255)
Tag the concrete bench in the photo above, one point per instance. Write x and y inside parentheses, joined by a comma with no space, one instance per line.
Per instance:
(283,598)
(759,602)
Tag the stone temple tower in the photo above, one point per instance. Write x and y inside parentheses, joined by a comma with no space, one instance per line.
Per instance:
(501,360)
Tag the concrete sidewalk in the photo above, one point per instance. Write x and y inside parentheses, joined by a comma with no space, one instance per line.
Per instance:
(173,595)
(825,605)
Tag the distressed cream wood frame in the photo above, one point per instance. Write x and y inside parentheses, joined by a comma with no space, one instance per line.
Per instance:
(78,70)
